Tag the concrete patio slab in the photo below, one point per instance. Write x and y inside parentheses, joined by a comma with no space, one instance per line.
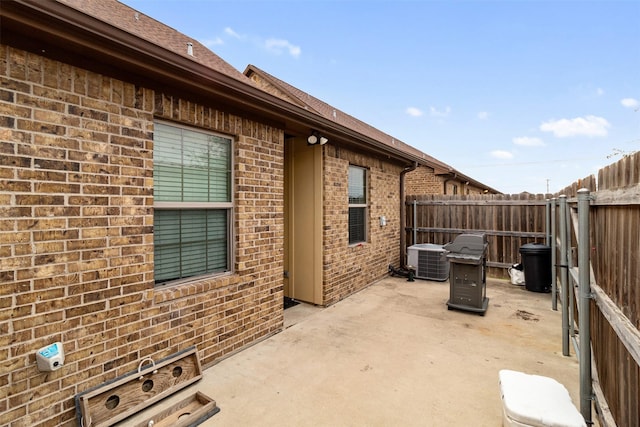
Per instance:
(390,355)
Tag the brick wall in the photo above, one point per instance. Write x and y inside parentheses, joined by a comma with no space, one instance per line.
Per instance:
(348,268)
(460,187)
(470,189)
(422,181)
(76,242)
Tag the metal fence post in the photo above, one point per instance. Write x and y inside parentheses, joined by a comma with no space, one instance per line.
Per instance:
(415,221)
(570,282)
(548,209)
(564,275)
(551,242)
(584,293)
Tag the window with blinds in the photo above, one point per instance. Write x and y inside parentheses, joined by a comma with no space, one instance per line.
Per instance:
(192,202)
(357,205)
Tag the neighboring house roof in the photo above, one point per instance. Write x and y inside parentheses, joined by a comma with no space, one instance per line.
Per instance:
(110,37)
(286,91)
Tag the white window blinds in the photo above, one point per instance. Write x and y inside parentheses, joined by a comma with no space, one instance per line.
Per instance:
(192,197)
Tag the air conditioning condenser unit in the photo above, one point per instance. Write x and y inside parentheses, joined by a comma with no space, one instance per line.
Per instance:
(429,261)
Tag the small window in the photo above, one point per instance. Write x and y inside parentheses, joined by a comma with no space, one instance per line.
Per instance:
(192,203)
(357,205)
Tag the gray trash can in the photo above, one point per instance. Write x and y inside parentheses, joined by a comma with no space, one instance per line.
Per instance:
(536,260)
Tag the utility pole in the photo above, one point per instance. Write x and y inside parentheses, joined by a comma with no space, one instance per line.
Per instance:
(548,185)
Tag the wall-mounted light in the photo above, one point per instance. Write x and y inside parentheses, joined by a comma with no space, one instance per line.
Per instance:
(316,138)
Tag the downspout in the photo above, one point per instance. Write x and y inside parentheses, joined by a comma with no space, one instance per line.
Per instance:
(403,215)
(452,176)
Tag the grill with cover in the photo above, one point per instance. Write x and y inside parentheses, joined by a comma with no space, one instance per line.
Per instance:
(467,273)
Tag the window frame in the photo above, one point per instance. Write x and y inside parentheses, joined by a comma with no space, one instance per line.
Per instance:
(227,206)
(364,206)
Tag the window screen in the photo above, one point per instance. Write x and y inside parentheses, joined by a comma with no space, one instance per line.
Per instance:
(192,202)
(190,166)
(357,204)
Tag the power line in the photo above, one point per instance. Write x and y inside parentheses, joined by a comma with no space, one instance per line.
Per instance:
(542,162)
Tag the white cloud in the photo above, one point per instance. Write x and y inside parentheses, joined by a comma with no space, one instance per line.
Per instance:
(502,154)
(277,46)
(273,45)
(599,91)
(228,31)
(483,115)
(630,103)
(414,112)
(589,126)
(213,42)
(442,114)
(527,141)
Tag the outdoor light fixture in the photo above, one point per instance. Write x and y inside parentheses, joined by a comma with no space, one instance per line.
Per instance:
(316,138)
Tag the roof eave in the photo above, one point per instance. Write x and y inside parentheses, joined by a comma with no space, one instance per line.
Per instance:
(42,26)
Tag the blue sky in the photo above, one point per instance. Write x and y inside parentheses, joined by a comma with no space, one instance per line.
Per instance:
(519,95)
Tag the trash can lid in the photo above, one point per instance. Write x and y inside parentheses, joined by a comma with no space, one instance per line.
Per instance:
(534,400)
(534,248)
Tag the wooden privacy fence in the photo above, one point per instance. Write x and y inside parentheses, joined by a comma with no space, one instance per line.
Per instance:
(509,221)
(609,298)
(613,291)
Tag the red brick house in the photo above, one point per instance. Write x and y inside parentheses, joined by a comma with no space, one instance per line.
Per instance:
(154,198)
